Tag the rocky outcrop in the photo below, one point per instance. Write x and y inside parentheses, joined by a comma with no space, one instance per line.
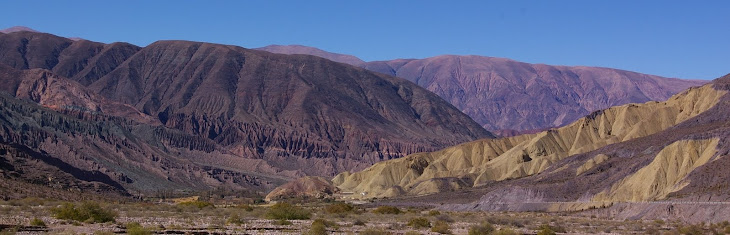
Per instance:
(310,187)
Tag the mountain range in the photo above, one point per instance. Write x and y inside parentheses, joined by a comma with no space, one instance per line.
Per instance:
(674,151)
(510,97)
(121,120)
(192,115)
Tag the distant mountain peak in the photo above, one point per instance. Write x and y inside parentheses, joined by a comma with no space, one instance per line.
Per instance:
(306,50)
(18,29)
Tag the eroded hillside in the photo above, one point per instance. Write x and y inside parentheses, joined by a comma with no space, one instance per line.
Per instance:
(485,161)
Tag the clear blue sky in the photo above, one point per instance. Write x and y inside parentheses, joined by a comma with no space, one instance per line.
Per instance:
(685,39)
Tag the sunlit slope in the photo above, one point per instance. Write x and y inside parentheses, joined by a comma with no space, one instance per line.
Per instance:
(665,174)
(483,161)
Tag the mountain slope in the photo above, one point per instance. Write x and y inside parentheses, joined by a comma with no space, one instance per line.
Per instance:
(485,162)
(510,97)
(272,106)
(299,113)
(305,50)
(17,29)
(82,61)
(503,94)
(76,140)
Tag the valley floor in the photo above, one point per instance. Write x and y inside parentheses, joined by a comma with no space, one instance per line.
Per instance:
(36,216)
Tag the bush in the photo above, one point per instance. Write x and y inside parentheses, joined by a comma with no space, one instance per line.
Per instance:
(338,208)
(286,211)
(690,230)
(198,204)
(434,213)
(482,229)
(234,219)
(135,228)
(373,231)
(412,233)
(445,218)
(505,231)
(319,227)
(90,212)
(103,233)
(325,222)
(37,222)
(441,227)
(419,223)
(283,222)
(358,222)
(545,230)
(387,210)
(245,207)
(548,230)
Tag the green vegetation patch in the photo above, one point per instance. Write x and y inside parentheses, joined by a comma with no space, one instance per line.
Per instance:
(89,212)
(387,210)
(286,211)
(419,223)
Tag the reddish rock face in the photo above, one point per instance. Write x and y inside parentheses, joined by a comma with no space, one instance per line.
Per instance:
(229,116)
(502,94)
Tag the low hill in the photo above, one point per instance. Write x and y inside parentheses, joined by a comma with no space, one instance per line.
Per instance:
(673,150)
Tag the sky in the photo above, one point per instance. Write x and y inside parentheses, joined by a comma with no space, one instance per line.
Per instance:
(683,39)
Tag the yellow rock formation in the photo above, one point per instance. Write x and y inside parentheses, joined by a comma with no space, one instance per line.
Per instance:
(664,175)
(597,160)
(482,161)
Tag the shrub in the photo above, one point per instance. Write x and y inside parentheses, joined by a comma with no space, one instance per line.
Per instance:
(441,227)
(286,211)
(90,212)
(103,233)
(234,219)
(505,231)
(135,228)
(419,223)
(358,222)
(445,218)
(283,222)
(482,229)
(245,207)
(373,231)
(412,233)
(546,230)
(690,230)
(338,208)
(727,230)
(37,222)
(325,222)
(434,213)
(318,228)
(198,204)
(387,210)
